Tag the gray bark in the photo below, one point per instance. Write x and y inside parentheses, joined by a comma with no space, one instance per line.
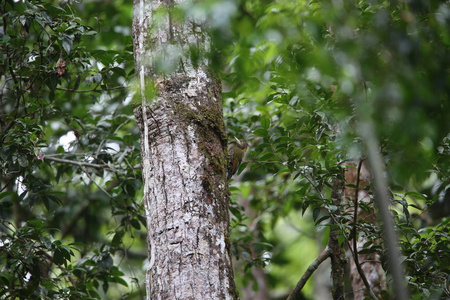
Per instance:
(183,144)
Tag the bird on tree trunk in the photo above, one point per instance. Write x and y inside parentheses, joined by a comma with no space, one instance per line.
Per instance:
(235,154)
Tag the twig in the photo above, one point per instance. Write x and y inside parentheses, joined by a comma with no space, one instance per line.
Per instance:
(7,183)
(95,90)
(96,184)
(295,294)
(77,163)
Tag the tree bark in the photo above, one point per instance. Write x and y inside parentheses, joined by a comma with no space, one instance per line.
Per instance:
(337,252)
(183,144)
(358,177)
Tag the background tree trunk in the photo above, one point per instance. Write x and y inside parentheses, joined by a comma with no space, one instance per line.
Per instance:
(369,263)
(183,144)
(337,256)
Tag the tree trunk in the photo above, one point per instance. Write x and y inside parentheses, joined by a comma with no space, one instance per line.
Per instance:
(183,144)
(358,177)
(337,257)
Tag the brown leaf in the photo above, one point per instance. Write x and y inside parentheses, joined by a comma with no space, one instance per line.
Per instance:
(61,66)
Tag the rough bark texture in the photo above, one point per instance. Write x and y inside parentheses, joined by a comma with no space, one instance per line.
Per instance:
(370,263)
(338,257)
(183,144)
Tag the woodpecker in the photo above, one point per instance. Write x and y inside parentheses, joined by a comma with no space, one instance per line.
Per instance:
(235,155)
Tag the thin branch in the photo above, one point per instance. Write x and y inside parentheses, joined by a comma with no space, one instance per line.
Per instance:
(94,90)
(7,183)
(295,294)
(71,154)
(98,186)
(77,163)
(355,212)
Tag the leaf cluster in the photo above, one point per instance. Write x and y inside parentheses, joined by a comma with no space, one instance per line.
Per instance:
(69,158)
(303,79)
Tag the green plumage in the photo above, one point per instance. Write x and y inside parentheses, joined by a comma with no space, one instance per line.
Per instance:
(235,155)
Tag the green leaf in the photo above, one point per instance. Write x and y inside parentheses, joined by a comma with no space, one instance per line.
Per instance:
(142,220)
(265,123)
(67,43)
(261,132)
(118,280)
(36,223)
(7,193)
(135,223)
(266,245)
(242,166)
(316,213)
(58,257)
(416,195)
(367,251)
(322,219)
(283,170)
(268,156)
(117,239)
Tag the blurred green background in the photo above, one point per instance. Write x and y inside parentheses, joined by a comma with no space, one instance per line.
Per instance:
(301,79)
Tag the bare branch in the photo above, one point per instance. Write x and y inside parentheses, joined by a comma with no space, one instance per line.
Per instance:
(295,294)
(97,185)
(77,163)
(94,90)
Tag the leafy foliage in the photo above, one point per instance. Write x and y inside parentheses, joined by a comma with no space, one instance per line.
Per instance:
(304,78)
(301,81)
(69,153)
